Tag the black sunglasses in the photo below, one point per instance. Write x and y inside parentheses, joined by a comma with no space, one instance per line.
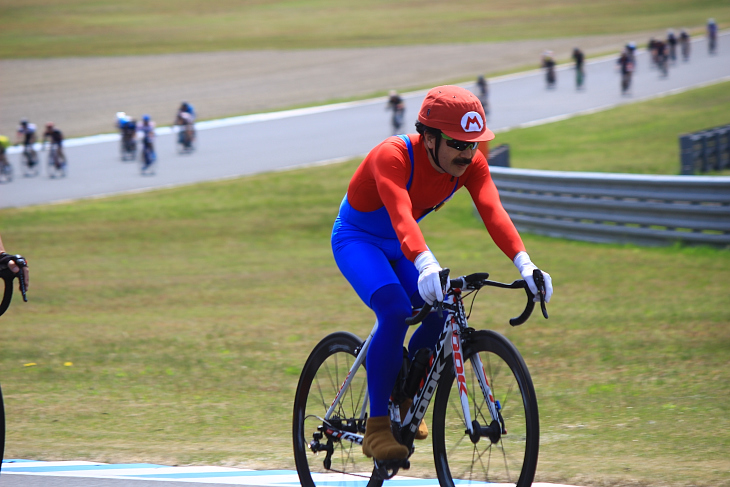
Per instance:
(459,145)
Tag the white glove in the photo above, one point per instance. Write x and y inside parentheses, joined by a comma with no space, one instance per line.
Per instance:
(525,266)
(429,283)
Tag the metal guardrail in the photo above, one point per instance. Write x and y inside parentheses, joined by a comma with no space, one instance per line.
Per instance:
(617,208)
(705,151)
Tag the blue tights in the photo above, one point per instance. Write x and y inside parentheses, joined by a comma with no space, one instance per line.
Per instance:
(385,355)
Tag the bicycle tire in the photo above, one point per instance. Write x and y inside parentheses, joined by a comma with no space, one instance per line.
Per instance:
(2,429)
(323,374)
(513,458)
(30,165)
(6,173)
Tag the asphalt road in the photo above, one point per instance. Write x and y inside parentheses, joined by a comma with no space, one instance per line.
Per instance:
(260,143)
(254,144)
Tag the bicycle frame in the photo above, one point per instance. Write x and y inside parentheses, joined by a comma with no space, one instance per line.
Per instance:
(454,326)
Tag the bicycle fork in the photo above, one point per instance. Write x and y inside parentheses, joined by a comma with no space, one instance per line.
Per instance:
(496,428)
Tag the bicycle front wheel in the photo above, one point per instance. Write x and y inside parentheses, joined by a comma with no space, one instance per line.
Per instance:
(2,429)
(512,459)
(331,462)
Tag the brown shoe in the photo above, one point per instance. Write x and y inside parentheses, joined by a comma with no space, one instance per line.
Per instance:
(422,432)
(379,441)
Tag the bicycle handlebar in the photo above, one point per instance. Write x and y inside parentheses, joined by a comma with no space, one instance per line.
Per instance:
(480,279)
(8,276)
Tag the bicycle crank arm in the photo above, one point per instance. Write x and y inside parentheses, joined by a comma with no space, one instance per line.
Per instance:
(387,469)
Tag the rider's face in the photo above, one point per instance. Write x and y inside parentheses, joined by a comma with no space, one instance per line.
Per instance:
(453,162)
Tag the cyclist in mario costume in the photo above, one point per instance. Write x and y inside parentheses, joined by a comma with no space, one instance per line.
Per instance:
(379,247)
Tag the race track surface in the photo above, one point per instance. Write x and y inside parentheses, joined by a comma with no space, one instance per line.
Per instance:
(17,473)
(274,141)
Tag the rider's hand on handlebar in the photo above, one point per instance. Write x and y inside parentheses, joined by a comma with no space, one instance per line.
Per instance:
(525,266)
(429,282)
(7,260)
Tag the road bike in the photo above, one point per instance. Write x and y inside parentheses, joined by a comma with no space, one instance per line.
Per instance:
(185,139)
(29,161)
(8,277)
(149,157)
(128,145)
(6,170)
(56,163)
(485,425)
(579,78)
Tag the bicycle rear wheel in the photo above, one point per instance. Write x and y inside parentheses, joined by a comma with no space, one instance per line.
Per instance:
(513,458)
(324,373)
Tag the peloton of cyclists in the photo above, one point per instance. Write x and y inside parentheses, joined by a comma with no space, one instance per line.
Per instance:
(55,136)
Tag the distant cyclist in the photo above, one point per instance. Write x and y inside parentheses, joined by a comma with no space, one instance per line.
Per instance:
(55,136)
(711,36)
(147,129)
(186,107)
(627,68)
(128,130)
(631,51)
(684,44)
(548,63)
(26,135)
(579,59)
(662,57)
(5,167)
(672,45)
(185,119)
(398,106)
(483,90)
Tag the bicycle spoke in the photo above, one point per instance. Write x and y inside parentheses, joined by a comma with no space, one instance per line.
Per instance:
(505,461)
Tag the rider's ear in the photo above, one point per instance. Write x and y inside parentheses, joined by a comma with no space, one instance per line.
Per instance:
(430,140)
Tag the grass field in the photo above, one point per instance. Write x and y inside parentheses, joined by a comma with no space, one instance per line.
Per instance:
(170,327)
(48,28)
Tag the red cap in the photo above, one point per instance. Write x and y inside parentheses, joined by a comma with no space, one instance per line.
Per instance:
(456,112)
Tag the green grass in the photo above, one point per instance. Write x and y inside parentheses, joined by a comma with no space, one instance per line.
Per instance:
(48,28)
(186,315)
(638,138)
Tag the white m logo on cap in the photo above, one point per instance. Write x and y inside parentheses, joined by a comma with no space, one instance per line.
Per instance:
(472,122)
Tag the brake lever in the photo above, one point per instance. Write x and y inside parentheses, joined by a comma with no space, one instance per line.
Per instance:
(444,277)
(540,283)
(21,277)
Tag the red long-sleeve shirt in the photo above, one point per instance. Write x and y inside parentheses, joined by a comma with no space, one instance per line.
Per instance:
(383,176)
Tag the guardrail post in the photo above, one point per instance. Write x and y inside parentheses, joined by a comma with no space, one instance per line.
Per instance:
(499,156)
(687,154)
(723,147)
(705,151)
